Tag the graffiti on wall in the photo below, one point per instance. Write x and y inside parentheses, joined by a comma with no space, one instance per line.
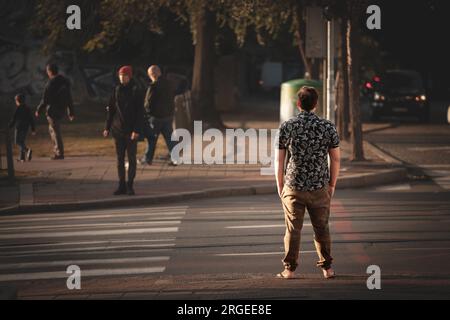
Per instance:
(98,81)
(21,70)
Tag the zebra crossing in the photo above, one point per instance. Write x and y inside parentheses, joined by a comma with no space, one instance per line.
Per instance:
(440,175)
(117,242)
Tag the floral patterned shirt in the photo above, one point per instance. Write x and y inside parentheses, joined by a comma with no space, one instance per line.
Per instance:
(307,138)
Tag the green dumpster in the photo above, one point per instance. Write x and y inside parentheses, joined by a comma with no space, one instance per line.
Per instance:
(288,103)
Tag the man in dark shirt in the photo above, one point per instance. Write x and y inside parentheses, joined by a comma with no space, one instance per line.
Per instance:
(125,120)
(57,98)
(159,111)
(22,120)
(307,182)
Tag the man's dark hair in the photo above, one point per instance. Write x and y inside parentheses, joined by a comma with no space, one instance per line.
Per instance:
(53,68)
(308,98)
(20,98)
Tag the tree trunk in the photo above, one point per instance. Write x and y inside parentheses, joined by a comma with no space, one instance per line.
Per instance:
(203,71)
(353,61)
(343,107)
(314,65)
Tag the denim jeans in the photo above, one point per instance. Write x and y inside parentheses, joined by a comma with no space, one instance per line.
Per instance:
(294,205)
(21,136)
(152,129)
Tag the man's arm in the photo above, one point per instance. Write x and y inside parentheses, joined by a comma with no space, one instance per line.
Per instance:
(335,165)
(110,112)
(139,120)
(13,120)
(70,107)
(280,157)
(44,100)
(148,100)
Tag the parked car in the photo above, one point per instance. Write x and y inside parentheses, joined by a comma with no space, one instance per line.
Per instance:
(398,93)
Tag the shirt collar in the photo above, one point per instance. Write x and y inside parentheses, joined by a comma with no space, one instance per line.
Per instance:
(305,113)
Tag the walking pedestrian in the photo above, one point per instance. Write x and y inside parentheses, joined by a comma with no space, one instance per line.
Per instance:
(159,112)
(22,120)
(57,100)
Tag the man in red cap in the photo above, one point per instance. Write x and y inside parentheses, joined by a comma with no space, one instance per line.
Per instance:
(125,120)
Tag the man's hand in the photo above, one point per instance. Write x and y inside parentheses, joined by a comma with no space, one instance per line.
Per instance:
(280,190)
(106,133)
(335,165)
(331,191)
(280,156)
(134,136)
(36,114)
(33,133)
(71,118)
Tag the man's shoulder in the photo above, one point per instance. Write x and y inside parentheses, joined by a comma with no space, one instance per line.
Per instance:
(64,78)
(60,79)
(137,90)
(329,124)
(324,122)
(290,122)
(134,86)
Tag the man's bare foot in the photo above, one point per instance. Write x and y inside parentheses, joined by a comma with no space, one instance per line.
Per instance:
(286,274)
(329,274)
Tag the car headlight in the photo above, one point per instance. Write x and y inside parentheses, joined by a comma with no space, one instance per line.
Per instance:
(378,97)
(421,98)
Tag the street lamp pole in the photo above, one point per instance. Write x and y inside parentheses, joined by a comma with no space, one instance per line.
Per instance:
(330,71)
(329,113)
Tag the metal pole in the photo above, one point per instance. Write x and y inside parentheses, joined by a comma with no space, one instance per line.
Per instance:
(330,114)
(9,155)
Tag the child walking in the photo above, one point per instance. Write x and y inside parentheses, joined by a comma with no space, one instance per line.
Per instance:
(22,120)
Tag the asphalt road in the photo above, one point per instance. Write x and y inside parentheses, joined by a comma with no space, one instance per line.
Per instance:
(402,228)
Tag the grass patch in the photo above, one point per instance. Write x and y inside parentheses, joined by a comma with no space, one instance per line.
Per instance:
(81,139)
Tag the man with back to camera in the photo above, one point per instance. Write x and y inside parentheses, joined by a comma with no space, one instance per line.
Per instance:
(307,182)
(125,119)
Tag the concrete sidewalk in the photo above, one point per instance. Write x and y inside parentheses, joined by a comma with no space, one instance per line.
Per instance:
(88,182)
(241,286)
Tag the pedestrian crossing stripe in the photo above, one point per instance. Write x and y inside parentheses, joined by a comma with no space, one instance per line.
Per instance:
(40,248)
(80,262)
(87,233)
(93,250)
(95,225)
(84,273)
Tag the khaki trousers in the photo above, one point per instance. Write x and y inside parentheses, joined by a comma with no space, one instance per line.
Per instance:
(294,205)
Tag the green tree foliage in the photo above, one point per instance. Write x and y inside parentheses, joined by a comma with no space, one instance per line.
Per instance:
(49,22)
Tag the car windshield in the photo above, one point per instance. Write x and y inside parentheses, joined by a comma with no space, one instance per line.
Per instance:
(402,83)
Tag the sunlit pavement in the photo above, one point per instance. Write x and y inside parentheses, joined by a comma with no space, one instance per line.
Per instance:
(232,247)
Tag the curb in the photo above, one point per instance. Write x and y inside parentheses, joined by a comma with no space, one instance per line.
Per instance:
(381,128)
(383,176)
(239,286)
(382,154)
(8,293)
